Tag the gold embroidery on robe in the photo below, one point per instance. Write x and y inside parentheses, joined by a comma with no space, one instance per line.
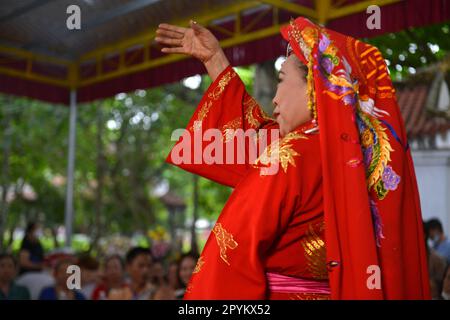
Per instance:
(189,288)
(280,152)
(228,130)
(309,296)
(215,94)
(201,115)
(315,252)
(250,105)
(199,265)
(224,241)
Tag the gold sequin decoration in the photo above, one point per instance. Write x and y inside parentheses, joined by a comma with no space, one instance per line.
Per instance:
(309,296)
(224,241)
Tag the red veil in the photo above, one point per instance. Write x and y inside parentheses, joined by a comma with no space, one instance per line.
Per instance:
(374,234)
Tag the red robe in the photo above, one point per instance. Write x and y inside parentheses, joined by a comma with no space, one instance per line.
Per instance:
(351,188)
(271,222)
(374,232)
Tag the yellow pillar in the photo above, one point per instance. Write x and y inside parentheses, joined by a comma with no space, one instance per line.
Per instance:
(323,8)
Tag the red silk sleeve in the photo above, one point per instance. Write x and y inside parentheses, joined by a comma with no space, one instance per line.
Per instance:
(225,107)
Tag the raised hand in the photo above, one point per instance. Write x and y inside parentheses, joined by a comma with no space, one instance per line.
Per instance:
(195,41)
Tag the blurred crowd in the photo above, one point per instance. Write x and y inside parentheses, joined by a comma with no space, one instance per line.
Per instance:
(135,276)
(438,251)
(139,276)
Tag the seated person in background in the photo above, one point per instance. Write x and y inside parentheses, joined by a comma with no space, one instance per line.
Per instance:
(172,275)
(138,266)
(113,284)
(60,290)
(31,254)
(446,285)
(36,281)
(8,271)
(160,280)
(440,242)
(90,276)
(186,267)
(436,267)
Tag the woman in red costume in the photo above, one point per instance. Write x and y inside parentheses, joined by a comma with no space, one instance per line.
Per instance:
(340,218)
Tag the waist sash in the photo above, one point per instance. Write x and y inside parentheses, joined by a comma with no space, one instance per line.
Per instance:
(285,284)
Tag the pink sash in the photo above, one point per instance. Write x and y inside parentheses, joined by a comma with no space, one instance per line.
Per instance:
(286,284)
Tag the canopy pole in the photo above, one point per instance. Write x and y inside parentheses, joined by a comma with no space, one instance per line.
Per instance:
(70,168)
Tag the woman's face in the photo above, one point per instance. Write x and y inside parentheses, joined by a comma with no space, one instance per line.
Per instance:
(187,267)
(114,270)
(291,101)
(172,275)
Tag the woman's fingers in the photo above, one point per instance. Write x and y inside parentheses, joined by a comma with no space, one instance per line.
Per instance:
(169,34)
(171,27)
(173,50)
(169,41)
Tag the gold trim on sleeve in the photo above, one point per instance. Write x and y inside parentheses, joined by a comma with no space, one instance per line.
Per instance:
(215,94)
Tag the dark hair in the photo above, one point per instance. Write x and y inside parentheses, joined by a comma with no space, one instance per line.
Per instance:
(113,257)
(64,260)
(189,254)
(301,66)
(304,68)
(88,262)
(4,256)
(136,251)
(30,227)
(433,224)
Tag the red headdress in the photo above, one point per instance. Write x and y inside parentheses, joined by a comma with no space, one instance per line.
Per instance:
(373,224)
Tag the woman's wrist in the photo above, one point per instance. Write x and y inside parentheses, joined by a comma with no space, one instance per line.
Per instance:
(216,64)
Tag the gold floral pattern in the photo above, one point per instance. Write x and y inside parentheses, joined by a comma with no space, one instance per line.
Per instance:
(280,151)
(229,128)
(314,251)
(224,241)
(202,113)
(254,114)
(223,82)
(199,265)
(213,95)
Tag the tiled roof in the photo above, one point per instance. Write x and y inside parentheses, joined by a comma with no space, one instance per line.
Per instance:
(421,119)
